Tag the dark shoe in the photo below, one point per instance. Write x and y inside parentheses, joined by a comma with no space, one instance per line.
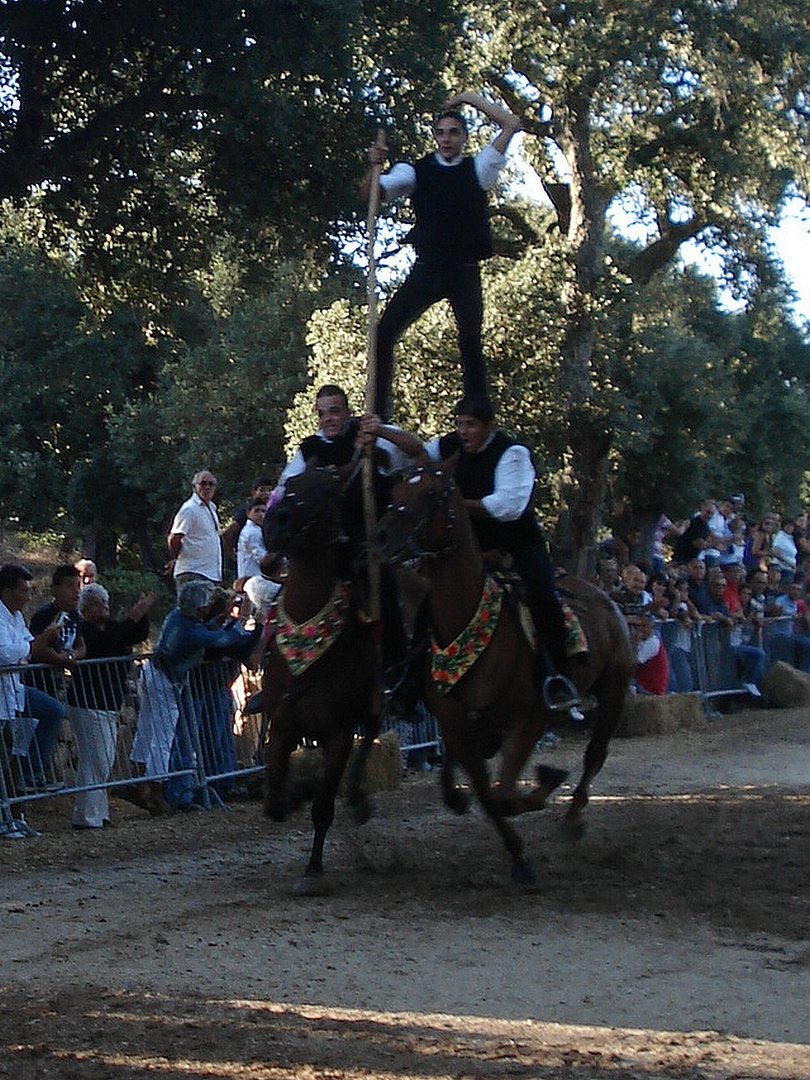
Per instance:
(559,693)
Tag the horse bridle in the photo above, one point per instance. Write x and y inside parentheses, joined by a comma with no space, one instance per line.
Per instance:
(294,501)
(438,500)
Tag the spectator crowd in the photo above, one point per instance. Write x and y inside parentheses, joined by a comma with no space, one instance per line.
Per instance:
(745,579)
(716,569)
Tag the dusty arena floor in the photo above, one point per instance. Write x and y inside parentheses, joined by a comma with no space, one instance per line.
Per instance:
(671,941)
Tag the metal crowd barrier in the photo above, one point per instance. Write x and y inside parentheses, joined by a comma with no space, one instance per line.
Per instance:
(106,724)
(710,659)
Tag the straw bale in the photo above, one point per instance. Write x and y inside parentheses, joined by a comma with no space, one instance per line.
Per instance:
(786,686)
(653,715)
(383,768)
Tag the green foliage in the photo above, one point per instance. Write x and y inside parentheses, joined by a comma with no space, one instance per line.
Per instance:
(149,133)
(178,180)
(126,585)
(220,405)
(58,380)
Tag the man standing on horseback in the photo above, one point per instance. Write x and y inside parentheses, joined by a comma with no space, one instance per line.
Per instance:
(496,477)
(448,190)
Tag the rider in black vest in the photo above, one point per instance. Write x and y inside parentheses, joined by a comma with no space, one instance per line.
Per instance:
(499,503)
(334,444)
(448,191)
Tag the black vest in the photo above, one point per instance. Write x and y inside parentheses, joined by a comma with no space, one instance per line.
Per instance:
(475,477)
(337,452)
(452,218)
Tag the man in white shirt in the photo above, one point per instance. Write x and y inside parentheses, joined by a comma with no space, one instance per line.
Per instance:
(496,476)
(35,716)
(448,190)
(194,540)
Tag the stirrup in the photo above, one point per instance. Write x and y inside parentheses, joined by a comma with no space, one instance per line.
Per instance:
(559,693)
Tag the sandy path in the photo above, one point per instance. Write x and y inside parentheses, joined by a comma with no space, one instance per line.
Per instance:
(672,939)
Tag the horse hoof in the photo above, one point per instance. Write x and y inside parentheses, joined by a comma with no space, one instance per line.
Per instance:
(457,800)
(524,873)
(550,778)
(572,828)
(312,885)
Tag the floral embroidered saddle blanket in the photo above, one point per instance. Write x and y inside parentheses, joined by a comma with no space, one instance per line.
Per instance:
(451,663)
(301,644)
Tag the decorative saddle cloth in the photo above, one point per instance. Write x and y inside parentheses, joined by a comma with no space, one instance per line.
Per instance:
(449,664)
(301,644)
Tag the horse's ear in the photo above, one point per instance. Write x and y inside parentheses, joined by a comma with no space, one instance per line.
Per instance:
(449,466)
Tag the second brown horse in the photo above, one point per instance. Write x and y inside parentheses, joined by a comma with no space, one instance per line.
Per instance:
(494,705)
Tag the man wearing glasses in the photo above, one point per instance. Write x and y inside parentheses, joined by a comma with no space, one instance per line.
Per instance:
(194,539)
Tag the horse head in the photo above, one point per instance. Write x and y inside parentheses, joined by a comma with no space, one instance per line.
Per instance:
(308,518)
(423,518)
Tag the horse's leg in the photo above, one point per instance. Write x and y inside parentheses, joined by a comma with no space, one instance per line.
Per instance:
(455,798)
(281,743)
(523,871)
(355,797)
(515,752)
(611,692)
(336,754)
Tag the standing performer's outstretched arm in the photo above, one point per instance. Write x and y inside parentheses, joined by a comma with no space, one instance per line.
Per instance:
(506,120)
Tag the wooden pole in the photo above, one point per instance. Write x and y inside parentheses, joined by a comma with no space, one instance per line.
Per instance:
(369,508)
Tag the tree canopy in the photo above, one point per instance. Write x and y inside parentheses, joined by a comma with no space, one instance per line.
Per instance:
(179,192)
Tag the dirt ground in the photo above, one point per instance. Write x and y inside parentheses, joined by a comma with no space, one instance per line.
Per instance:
(671,941)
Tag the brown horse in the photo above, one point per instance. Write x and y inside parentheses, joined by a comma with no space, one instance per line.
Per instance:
(494,705)
(320,672)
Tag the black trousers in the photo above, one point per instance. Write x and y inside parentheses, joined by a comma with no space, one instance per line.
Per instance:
(534,566)
(425,286)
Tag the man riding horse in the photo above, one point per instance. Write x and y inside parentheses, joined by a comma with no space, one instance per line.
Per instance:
(335,444)
(496,477)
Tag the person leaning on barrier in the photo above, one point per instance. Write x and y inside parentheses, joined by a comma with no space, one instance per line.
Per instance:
(749,658)
(164,689)
(34,716)
(97,694)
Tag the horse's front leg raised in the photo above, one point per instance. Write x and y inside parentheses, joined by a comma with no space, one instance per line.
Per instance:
(611,698)
(336,754)
(518,745)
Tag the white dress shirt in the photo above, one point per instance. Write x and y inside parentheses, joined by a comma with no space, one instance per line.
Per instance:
(514,480)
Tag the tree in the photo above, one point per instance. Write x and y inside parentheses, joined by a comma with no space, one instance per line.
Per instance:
(59,378)
(694,113)
(147,133)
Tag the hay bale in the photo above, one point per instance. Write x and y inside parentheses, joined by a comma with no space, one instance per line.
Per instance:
(786,686)
(383,768)
(650,715)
